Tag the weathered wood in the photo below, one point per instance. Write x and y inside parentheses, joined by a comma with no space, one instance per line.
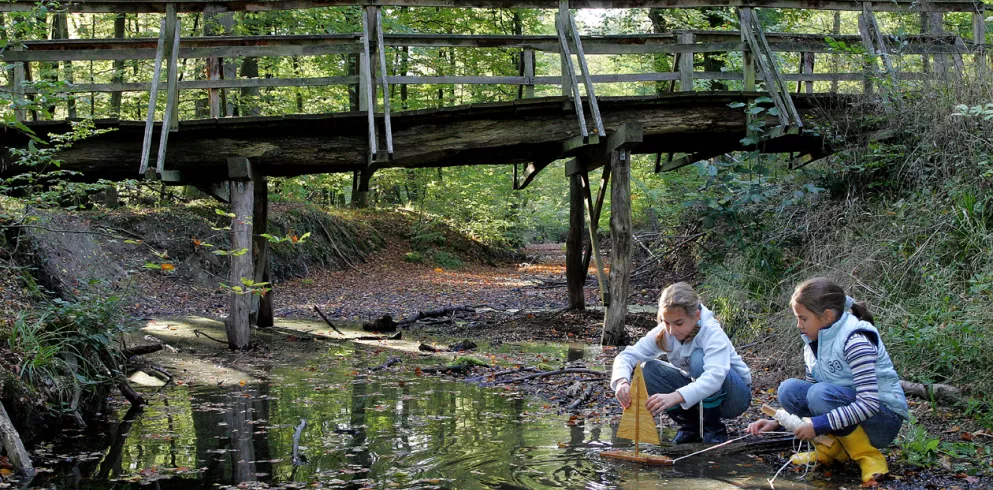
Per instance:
(807,68)
(640,458)
(140,350)
(381,49)
(592,217)
(931,391)
(146,147)
(686,64)
(313,45)
(620,252)
(118,76)
(483,134)
(19,456)
(325,318)
(585,70)
(568,72)
(575,274)
(528,56)
(597,208)
(261,315)
(170,118)
(368,95)
(18,82)
(777,87)
(158,6)
(531,171)
(173,25)
(242,197)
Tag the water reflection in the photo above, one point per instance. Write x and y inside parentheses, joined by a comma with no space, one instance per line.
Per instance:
(370,430)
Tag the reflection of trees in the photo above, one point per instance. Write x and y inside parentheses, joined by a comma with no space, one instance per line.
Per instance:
(357,447)
(111,465)
(233,432)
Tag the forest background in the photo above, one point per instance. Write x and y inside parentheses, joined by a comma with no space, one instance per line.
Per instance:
(905,223)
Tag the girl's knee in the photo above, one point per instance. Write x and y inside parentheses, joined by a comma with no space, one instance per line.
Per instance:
(696,363)
(791,391)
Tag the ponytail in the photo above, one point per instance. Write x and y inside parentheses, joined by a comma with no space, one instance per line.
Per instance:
(861,311)
(820,294)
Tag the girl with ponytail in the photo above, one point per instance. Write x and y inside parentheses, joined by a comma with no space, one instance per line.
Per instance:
(851,392)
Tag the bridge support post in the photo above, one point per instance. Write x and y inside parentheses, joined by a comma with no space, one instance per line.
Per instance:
(242,197)
(17,79)
(620,253)
(261,305)
(575,273)
(360,188)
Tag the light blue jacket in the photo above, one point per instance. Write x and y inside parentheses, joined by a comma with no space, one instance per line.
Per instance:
(830,366)
(719,357)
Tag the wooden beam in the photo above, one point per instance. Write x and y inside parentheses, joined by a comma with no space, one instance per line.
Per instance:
(568,72)
(528,55)
(381,49)
(242,204)
(158,6)
(585,70)
(170,118)
(146,146)
(531,171)
(686,64)
(574,272)
(367,97)
(690,159)
(591,216)
(620,249)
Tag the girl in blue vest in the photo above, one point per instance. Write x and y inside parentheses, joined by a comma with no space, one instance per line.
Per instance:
(851,392)
(703,367)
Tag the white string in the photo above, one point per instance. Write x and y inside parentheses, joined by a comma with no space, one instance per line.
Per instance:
(797,445)
(788,420)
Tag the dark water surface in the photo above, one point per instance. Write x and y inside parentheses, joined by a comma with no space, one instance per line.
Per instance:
(388,429)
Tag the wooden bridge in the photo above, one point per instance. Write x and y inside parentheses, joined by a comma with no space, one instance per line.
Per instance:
(678,122)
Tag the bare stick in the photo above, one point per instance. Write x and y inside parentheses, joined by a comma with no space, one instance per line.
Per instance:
(199,333)
(319,312)
(551,373)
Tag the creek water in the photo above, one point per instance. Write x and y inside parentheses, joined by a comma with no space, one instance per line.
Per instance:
(385,429)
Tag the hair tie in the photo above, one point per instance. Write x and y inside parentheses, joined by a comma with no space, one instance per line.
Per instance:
(849,302)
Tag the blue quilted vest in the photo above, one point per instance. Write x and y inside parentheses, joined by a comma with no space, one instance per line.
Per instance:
(830,365)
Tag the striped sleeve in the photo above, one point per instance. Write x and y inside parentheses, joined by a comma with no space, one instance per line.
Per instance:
(861,356)
(808,377)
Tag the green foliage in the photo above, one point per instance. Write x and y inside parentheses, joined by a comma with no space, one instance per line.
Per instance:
(918,447)
(467,361)
(446,260)
(415,257)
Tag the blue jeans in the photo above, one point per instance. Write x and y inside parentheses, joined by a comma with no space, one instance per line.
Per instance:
(805,399)
(662,377)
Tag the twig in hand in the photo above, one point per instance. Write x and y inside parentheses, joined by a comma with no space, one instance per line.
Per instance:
(197,333)
(319,312)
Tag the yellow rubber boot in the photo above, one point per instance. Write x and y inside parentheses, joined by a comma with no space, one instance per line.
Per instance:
(871,461)
(822,453)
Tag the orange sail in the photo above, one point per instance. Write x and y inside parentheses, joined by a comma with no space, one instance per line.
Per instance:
(637,423)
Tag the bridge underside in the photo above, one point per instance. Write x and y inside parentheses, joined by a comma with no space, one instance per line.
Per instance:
(527,130)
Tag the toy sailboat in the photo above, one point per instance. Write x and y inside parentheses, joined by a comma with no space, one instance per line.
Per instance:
(638,424)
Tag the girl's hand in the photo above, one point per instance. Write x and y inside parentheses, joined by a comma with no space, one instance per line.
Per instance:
(805,431)
(659,402)
(623,393)
(760,426)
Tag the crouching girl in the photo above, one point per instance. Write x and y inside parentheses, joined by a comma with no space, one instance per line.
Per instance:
(702,366)
(851,392)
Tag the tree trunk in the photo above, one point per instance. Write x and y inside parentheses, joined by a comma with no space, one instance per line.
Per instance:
(262,306)
(242,197)
(574,272)
(115,97)
(620,252)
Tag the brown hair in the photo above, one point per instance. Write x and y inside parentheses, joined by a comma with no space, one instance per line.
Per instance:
(679,295)
(819,294)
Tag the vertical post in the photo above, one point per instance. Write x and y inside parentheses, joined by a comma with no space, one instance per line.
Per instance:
(118,77)
(835,58)
(381,49)
(585,71)
(686,63)
(574,272)
(261,305)
(213,68)
(592,217)
(242,197)
(146,146)
(367,98)
(360,196)
(172,75)
(528,56)
(748,56)
(18,81)
(170,119)
(808,69)
(227,64)
(620,253)
(979,41)
(871,69)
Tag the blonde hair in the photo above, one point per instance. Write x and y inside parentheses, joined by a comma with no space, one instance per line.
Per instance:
(679,295)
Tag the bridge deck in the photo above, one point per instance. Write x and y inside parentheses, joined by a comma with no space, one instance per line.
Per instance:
(525,130)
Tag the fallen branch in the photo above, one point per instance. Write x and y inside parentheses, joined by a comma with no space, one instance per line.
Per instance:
(15,448)
(437,313)
(933,391)
(456,369)
(579,401)
(198,332)
(122,382)
(389,362)
(551,373)
(141,350)
(319,312)
(396,336)
(428,348)
(499,373)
